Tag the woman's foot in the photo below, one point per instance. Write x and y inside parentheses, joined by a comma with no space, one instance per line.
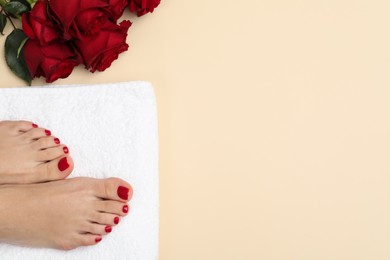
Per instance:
(30,154)
(62,214)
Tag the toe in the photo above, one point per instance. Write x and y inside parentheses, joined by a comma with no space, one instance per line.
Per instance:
(45,142)
(62,167)
(36,133)
(89,239)
(18,126)
(50,154)
(114,189)
(23,126)
(56,169)
(105,218)
(97,229)
(112,206)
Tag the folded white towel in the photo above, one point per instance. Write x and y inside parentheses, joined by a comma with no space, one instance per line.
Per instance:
(111,131)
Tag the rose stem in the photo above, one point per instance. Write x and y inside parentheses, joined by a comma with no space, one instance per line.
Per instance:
(9,18)
(2,4)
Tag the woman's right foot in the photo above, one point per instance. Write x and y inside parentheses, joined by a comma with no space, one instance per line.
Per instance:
(63,214)
(30,154)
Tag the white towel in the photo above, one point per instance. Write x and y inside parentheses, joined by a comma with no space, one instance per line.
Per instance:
(111,131)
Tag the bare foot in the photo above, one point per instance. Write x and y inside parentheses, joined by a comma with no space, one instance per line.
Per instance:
(62,214)
(29,154)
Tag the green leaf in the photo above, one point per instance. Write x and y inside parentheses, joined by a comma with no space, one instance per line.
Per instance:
(3,22)
(16,8)
(24,2)
(17,63)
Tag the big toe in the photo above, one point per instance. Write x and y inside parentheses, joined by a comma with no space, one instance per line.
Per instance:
(114,189)
(57,169)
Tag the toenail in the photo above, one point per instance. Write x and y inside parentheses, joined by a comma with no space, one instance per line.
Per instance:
(63,164)
(47,132)
(34,125)
(116,220)
(98,239)
(56,140)
(66,150)
(123,192)
(125,209)
(108,229)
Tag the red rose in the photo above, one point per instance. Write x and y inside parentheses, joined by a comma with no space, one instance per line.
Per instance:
(37,25)
(116,8)
(62,34)
(81,17)
(143,6)
(52,61)
(100,51)
(45,52)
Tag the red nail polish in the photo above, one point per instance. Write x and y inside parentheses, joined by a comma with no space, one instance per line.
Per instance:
(123,192)
(108,229)
(56,140)
(125,209)
(98,239)
(66,150)
(116,220)
(63,164)
(47,132)
(34,125)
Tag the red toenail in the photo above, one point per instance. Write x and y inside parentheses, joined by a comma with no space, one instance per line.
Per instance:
(63,164)
(125,209)
(47,132)
(123,192)
(34,125)
(116,220)
(98,239)
(66,150)
(56,140)
(108,229)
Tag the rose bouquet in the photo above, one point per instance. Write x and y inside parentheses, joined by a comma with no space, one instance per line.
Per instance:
(58,35)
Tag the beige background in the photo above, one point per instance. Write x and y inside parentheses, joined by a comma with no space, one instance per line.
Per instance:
(273,125)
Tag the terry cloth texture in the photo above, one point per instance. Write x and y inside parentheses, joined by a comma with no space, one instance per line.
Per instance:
(111,131)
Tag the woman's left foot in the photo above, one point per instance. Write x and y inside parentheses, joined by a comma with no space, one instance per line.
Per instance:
(30,154)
